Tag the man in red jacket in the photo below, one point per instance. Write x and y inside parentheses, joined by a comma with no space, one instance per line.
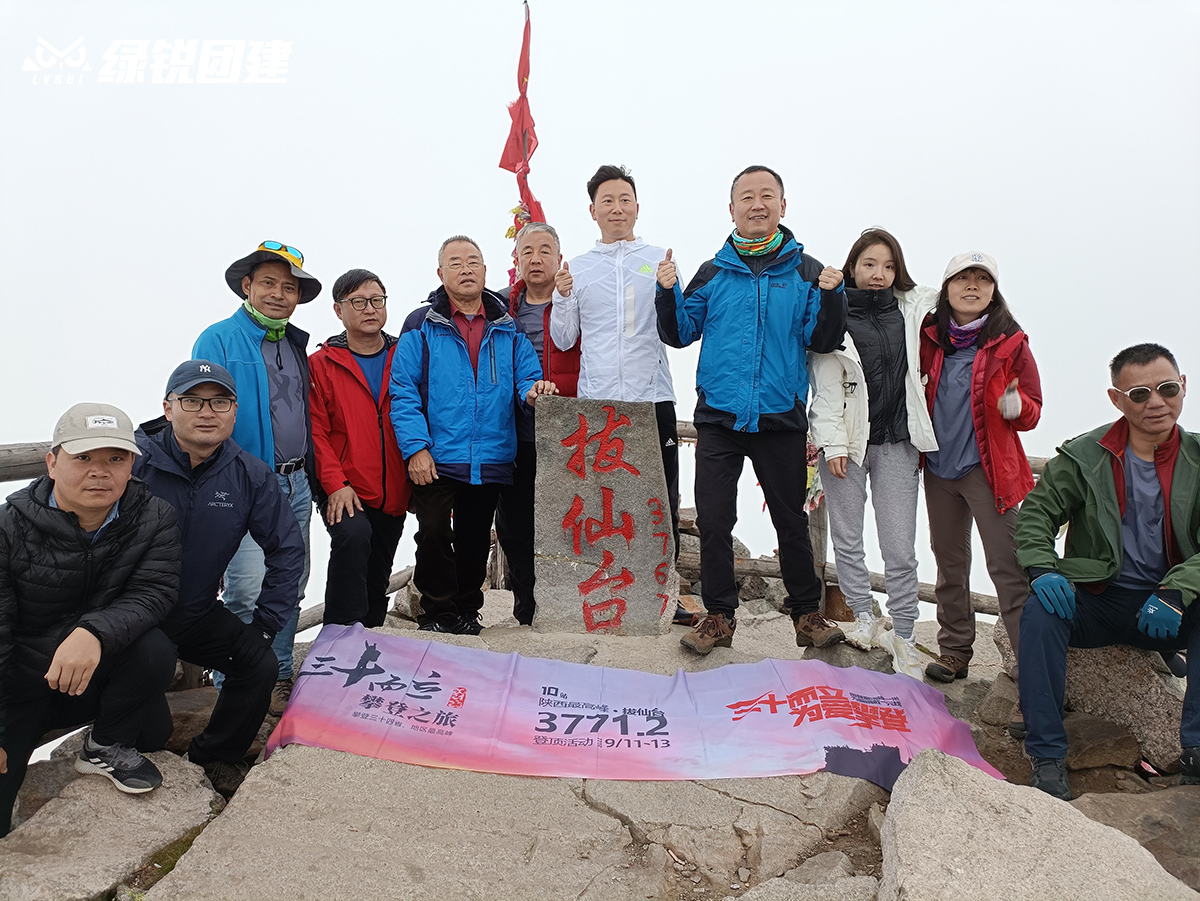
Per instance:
(363,493)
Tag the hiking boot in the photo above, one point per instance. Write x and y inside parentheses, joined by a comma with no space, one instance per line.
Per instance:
(684,617)
(814,630)
(1050,775)
(947,669)
(129,771)
(714,631)
(226,776)
(1176,662)
(863,632)
(906,659)
(467,624)
(1016,726)
(1189,766)
(280,695)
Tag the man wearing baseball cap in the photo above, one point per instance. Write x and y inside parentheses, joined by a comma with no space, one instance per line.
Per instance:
(221,494)
(89,567)
(266,355)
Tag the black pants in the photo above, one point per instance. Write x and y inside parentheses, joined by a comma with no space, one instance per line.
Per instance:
(125,697)
(246,692)
(362,548)
(668,440)
(779,462)
(454,537)
(514,529)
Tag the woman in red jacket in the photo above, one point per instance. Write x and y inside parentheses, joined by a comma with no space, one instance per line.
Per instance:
(982,388)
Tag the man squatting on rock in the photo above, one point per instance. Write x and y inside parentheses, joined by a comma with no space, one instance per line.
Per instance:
(1129,573)
(89,567)
(760,304)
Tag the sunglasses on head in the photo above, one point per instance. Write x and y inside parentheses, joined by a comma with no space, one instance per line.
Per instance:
(285,248)
(1141,393)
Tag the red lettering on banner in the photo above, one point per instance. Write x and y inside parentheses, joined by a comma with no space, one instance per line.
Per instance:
(824,702)
(590,614)
(610,452)
(595,529)
(458,697)
(741,708)
(593,582)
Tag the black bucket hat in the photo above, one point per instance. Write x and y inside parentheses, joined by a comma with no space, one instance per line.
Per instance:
(273,252)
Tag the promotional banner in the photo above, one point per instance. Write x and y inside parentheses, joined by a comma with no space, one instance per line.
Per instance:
(441,705)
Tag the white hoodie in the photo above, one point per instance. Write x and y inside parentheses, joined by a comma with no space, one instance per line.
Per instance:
(612,308)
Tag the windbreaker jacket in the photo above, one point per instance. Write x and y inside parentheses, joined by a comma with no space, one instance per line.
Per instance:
(610,314)
(838,418)
(237,494)
(352,433)
(53,578)
(236,343)
(1078,487)
(440,404)
(752,374)
(560,366)
(997,363)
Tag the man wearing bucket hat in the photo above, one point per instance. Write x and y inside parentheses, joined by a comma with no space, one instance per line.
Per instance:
(266,355)
(221,494)
(89,567)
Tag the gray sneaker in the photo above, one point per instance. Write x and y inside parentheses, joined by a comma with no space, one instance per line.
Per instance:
(128,770)
(1050,775)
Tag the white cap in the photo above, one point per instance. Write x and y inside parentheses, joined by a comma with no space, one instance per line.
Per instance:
(973,259)
(87,427)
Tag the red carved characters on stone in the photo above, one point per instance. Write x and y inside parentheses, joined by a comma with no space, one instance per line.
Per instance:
(610,452)
(594,529)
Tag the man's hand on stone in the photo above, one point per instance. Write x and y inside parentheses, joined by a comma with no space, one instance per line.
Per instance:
(668,275)
(421,469)
(563,281)
(344,500)
(830,278)
(74,662)
(542,386)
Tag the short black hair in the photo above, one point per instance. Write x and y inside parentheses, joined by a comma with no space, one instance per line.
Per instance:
(750,169)
(258,266)
(609,173)
(1139,355)
(351,281)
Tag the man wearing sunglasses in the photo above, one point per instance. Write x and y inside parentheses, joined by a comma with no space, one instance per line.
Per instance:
(266,355)
(1130,570)
(361,481)
(221,495)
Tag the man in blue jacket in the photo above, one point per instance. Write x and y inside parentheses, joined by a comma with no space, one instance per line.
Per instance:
(458,373)
(266,355)
(221,494)
(761,303)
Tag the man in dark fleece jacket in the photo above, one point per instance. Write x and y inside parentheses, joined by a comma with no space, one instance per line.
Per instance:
(89,566)
(220,494)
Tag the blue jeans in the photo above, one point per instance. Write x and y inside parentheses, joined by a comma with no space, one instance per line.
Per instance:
(1100,620)
(244,575)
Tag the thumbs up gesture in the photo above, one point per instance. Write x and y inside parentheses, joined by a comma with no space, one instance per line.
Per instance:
(667,274)
(563,281)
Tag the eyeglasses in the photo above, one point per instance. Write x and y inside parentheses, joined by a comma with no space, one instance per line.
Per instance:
(190,404)
(379,301)
(275,245)
(1141,393)
(456,265)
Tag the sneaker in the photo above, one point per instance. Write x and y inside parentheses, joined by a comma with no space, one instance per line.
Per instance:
(947,669)
(467,624)
(684,617)
(226,777)
(906,659)
(714,631)
(280,695)
(1050,775)
(814,630)
(433,626)
(129,771)
(863,632)
(1016,726)
(1189,766)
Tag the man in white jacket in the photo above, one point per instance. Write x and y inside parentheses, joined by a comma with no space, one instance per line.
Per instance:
(605,300)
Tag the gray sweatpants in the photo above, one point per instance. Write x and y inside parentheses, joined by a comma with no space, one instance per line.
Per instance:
(895,477)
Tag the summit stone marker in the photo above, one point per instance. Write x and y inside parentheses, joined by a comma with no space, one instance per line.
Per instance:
(604,554)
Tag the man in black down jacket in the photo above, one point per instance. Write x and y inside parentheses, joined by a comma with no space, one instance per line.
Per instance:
(89,566)
(220,494)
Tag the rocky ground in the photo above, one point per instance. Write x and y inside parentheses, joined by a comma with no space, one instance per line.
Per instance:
(312,823)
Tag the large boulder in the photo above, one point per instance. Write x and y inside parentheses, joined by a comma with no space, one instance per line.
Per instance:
(1162,822)
(953,831)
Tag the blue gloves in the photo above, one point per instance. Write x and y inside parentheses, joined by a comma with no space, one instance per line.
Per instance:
(1056,594)
(1160,619)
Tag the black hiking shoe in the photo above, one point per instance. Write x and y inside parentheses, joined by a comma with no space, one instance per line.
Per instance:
(1050,775)
(129,771)
(467,624)
(226,776)
(1189,766)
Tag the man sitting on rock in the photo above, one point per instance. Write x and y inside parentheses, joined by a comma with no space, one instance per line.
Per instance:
(1129,572)
(221,493)
(89,566)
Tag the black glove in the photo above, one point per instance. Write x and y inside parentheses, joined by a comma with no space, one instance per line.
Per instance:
(253,639)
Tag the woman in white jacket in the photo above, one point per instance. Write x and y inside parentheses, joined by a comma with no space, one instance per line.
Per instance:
(869,418)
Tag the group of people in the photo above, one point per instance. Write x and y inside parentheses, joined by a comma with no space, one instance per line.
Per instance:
(189,537)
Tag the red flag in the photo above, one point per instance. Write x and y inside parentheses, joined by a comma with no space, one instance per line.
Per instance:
(522,140)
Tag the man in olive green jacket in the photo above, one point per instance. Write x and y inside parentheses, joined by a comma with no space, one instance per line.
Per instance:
(1130,570)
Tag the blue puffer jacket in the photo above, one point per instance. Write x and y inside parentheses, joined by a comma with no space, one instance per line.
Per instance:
(753,373)
(464,419)
(237,494)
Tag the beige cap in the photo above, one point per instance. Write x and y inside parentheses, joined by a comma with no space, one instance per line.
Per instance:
(87,427)
(973,259)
